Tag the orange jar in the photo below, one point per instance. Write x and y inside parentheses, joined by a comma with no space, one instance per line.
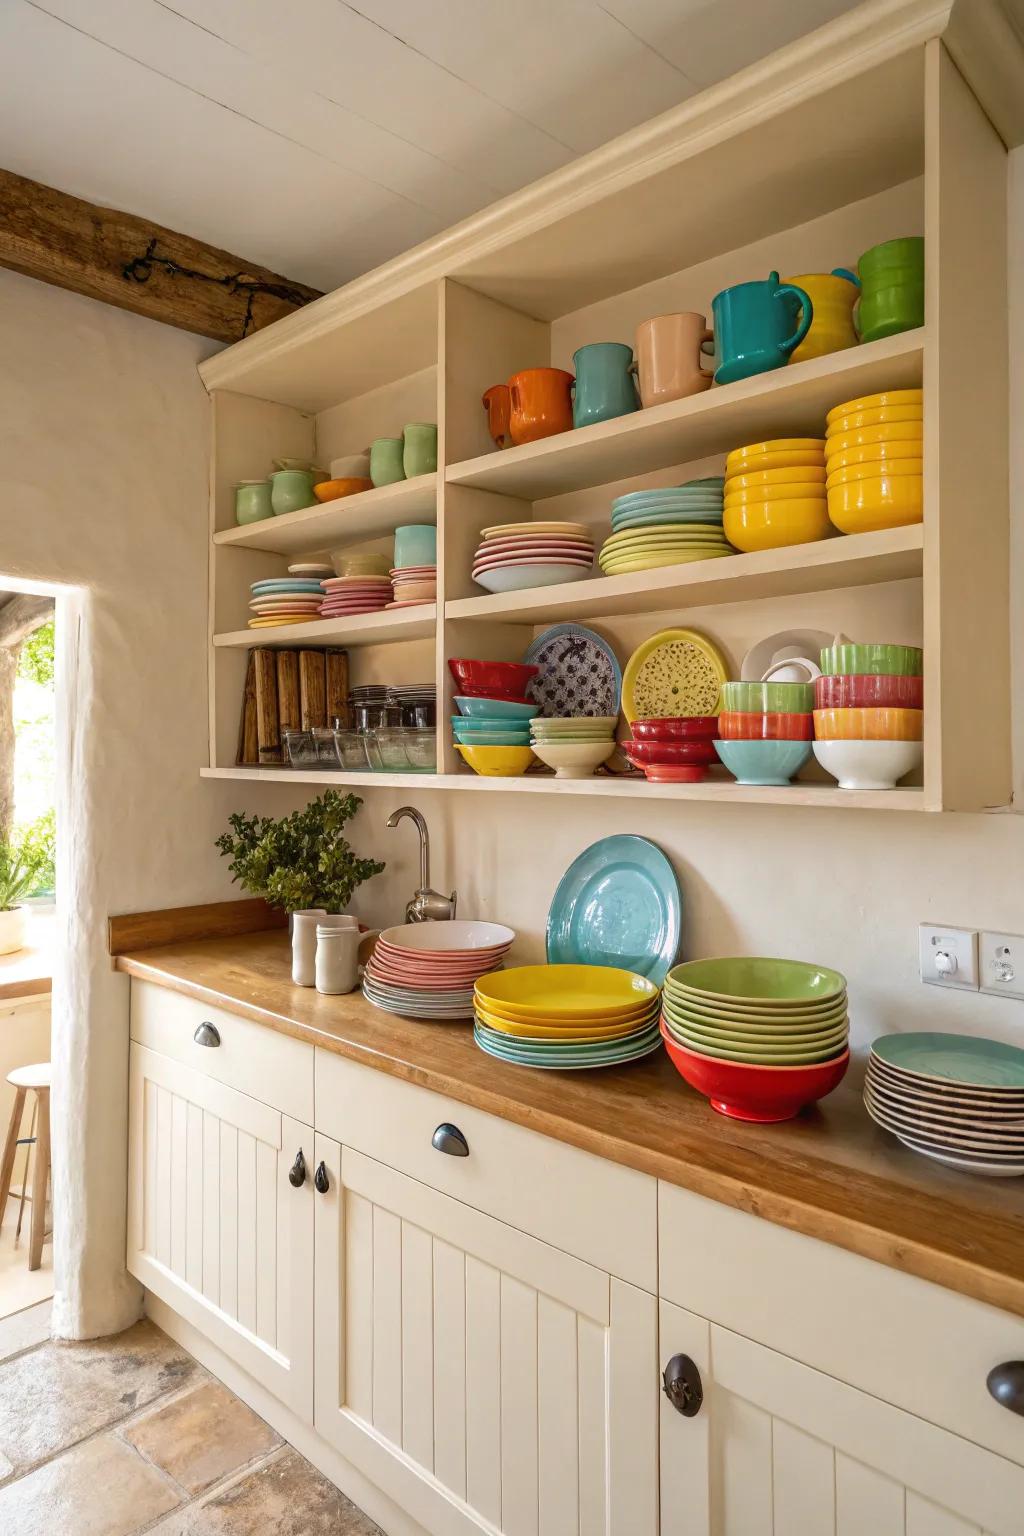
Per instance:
(541,401)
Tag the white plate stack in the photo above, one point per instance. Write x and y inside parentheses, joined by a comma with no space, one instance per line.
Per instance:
(429,970)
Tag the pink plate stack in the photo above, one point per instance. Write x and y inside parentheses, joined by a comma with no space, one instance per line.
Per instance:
(346,596)
(429,970)
(414,584)
(513,556)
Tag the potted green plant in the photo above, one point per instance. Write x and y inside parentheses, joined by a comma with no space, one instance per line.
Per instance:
(301,862)
(22,860)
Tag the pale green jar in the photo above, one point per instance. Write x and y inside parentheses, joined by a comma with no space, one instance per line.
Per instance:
(419,454)
(252,501)
(386,460)
(292,490)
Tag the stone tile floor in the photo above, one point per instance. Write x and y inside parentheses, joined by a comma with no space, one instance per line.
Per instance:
(129,1434)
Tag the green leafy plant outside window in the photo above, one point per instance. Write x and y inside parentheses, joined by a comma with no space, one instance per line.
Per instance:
(301,861)
(24,859)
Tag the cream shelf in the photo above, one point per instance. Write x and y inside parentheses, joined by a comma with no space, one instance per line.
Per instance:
(349,520)
(712,791)
(367,629)
(791,402)
(858,560)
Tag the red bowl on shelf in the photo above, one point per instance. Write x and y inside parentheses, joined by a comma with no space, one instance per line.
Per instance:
(674,773)
(495,693)
(646,753)
(677,728)
(509,677)
(737,725)
(863,692)
(762,1094)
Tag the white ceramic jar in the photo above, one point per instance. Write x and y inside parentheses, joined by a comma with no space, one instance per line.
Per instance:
(337,957)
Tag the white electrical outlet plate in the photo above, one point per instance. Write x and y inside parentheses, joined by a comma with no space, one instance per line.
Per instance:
(949,957)
(1002,964)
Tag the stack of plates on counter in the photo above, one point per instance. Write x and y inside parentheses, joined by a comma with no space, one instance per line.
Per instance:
(513,556)
(567,1018)
(428,970)
(955,1098)
(670,526)
(284,600)
(344,596)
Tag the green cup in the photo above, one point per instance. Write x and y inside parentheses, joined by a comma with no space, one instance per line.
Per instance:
(847,659)
(252,501)
(386,460)
(419,454)
(892,288)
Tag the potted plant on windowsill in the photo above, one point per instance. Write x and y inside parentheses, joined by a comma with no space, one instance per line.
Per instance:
(22,861)
(301,864)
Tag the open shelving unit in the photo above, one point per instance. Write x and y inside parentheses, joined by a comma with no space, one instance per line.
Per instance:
(870,133)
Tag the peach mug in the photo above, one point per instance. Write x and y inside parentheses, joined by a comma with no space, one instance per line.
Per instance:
(498,406)
(541,403)
(668,357)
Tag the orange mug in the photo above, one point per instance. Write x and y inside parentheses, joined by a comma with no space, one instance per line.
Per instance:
(498,406)
(541,401)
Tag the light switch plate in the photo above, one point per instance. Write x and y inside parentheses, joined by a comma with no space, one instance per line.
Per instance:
(1001,957)
(949,957)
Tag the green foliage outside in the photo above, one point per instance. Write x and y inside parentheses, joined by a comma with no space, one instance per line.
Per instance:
(35,662)
(26,857)
(34,777)
(302,860)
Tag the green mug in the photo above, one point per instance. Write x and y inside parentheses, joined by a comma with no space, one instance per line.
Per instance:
(252,501)
(892,288)
(419,454)
(386,460)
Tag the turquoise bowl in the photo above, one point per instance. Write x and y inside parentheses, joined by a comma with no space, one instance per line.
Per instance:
(763,762)
(496,709)
(493,736)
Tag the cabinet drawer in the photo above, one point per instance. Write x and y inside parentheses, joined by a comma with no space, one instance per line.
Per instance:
(250,1057)
(917,1345)
(582,1204)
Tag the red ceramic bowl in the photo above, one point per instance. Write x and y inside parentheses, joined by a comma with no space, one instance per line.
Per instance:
(675,773)
(508,677)
(734,725)
(763,1094)
(860,692)
(696,753)
(677,728)
(495,693)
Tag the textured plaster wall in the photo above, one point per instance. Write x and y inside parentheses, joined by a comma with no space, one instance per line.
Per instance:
(104,430)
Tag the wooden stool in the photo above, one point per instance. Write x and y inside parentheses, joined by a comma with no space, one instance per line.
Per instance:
(23,1080)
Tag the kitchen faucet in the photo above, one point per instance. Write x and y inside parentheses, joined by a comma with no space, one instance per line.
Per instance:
(426,906)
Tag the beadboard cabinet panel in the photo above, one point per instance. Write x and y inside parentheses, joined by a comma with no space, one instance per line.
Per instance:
(780,1448)
(484,1379)
(215,1228)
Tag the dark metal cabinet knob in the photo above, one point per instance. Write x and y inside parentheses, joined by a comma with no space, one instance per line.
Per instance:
(207,1034)
(321,1183)
(297,1171)
(448,1138)
(1006,1384)
(682,1386)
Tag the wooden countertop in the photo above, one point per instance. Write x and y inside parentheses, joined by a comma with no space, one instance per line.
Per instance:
(29,971)
(831,1173)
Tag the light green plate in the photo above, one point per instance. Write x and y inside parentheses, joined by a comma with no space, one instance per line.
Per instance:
(745,1022)
(761,1058)
(953,1059)
(766,982)
(772,1040)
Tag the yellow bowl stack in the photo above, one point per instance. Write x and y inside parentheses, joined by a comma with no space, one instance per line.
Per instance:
(874,459)
(775,494)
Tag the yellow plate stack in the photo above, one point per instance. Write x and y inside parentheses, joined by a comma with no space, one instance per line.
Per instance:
(874,459)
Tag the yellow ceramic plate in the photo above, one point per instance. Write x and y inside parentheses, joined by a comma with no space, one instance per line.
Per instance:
(882,416)
(797,458)
(298,618)
(875,453)
(655,562)
(807,474)
(874,402)
(675,672)
(504,530)
(773,445)
(566,992)
(860,437)
(579,1032)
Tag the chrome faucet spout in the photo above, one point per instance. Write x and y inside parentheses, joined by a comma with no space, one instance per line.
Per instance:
(427,905)
(414,816)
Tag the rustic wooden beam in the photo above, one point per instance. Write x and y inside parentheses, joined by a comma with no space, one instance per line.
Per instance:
(20,615)
(123,260)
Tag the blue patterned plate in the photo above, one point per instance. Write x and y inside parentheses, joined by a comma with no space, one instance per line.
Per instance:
(579,672)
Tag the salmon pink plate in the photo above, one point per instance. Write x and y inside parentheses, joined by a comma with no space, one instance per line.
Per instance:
(498,546)
(573,530)
(471,960)
(336,610)
(516,561)
(411,602)
(344,583)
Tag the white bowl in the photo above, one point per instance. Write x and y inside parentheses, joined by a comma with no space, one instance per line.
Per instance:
(868,764)
(516,578)
(457,934)
(574,759)
(352,466)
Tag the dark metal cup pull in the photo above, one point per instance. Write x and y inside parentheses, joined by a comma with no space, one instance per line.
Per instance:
(207,1034)
(448,1138)
(297,1171)
(682,1386)
(321,1183)
(1006,1384)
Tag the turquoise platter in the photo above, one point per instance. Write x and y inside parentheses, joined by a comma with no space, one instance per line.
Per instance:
(962,1059)
(618,904)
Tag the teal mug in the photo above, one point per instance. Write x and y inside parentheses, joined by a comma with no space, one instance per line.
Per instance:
(892,288)
(386,460)
(757,326)
(415,544)
(604,385)
(419,454)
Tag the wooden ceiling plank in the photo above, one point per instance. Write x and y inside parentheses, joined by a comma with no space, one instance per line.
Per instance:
(136,265)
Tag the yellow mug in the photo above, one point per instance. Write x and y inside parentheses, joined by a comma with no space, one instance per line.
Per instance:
(832,295)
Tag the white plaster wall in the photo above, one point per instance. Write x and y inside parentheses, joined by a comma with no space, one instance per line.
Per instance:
(103,437)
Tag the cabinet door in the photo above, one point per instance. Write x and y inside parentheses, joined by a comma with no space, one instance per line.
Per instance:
(215,1228)
(779,1449)
(484,1379)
